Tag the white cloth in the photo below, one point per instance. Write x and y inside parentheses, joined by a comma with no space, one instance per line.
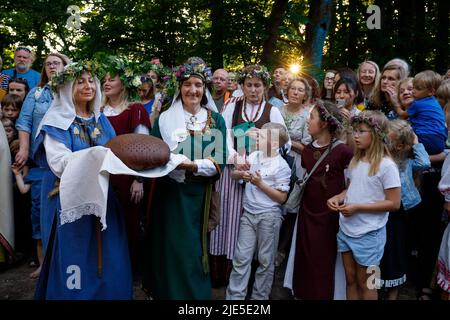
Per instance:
(6,195)
(110,111)
(227,113)
(238,92)
(275,172)
(444,183)
(340,282)
(368,189)
(84,189)
(173,126)
(62,110)
(196,121)
(443,276)
(172,123)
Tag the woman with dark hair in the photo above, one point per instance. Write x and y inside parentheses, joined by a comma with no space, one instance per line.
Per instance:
(179,267)
(327,85)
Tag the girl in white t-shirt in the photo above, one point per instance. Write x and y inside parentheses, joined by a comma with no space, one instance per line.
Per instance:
(374,190)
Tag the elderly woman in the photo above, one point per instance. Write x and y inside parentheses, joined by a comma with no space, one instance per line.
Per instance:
(240,114)
(295,114)
(179,224)
(126,117)
(35,106)
(81,261)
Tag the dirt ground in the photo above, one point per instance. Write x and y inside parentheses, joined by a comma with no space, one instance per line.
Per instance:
(15,284)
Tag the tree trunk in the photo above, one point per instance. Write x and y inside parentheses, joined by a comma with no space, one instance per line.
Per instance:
(405,24)
(316,31)
(420,40)
(442,53)
(164,34)
(276,15)
(375,38)
(217,33)
(352,56)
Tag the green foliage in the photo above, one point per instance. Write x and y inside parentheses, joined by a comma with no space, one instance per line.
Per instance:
(174,30)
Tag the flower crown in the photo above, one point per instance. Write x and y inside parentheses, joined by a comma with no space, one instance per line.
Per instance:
(152,65)
(372,122)
(332,121)
(260,73)
(127,71)
(71,72)
(184,71)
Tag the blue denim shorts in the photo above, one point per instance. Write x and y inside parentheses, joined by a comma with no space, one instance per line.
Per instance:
(367,249)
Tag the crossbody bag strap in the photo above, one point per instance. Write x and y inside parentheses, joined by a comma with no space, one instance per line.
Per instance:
(322,157)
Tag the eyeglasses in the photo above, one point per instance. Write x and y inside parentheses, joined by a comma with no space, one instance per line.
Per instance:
(54,63)
(329,79)
(23,48)
(358,132)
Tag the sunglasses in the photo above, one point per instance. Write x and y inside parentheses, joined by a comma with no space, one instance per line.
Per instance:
(23,48)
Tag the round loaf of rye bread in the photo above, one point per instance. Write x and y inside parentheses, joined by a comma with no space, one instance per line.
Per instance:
(140,151)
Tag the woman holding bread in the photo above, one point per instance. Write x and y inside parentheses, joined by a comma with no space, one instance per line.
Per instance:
(178,261)
(81,262)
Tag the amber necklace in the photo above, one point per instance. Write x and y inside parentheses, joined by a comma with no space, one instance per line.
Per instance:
(205,128)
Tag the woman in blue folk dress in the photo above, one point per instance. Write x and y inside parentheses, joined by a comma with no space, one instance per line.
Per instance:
(81,261)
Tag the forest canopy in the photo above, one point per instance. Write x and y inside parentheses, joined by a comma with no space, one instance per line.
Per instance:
(316,34)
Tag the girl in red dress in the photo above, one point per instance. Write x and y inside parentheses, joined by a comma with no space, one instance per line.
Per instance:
(317,225)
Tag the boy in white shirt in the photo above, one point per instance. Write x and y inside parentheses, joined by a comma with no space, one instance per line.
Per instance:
(266,189)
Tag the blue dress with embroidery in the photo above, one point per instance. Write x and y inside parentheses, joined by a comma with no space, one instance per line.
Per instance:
(70,270)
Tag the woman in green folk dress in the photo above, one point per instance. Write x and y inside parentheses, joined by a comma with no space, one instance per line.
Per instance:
(179,218)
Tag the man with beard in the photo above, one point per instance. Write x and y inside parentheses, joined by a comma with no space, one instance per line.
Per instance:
(23,59)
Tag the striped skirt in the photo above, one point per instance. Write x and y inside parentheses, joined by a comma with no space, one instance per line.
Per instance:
(223,238)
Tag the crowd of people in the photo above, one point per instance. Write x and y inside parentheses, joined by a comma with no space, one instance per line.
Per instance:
(335,182)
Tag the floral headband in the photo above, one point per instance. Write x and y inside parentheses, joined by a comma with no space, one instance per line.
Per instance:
(152,65)
(184,72)
(372,122)
(187,70)
(71,72)
(332,121)
(260,73)
(156,66)
(114,65)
